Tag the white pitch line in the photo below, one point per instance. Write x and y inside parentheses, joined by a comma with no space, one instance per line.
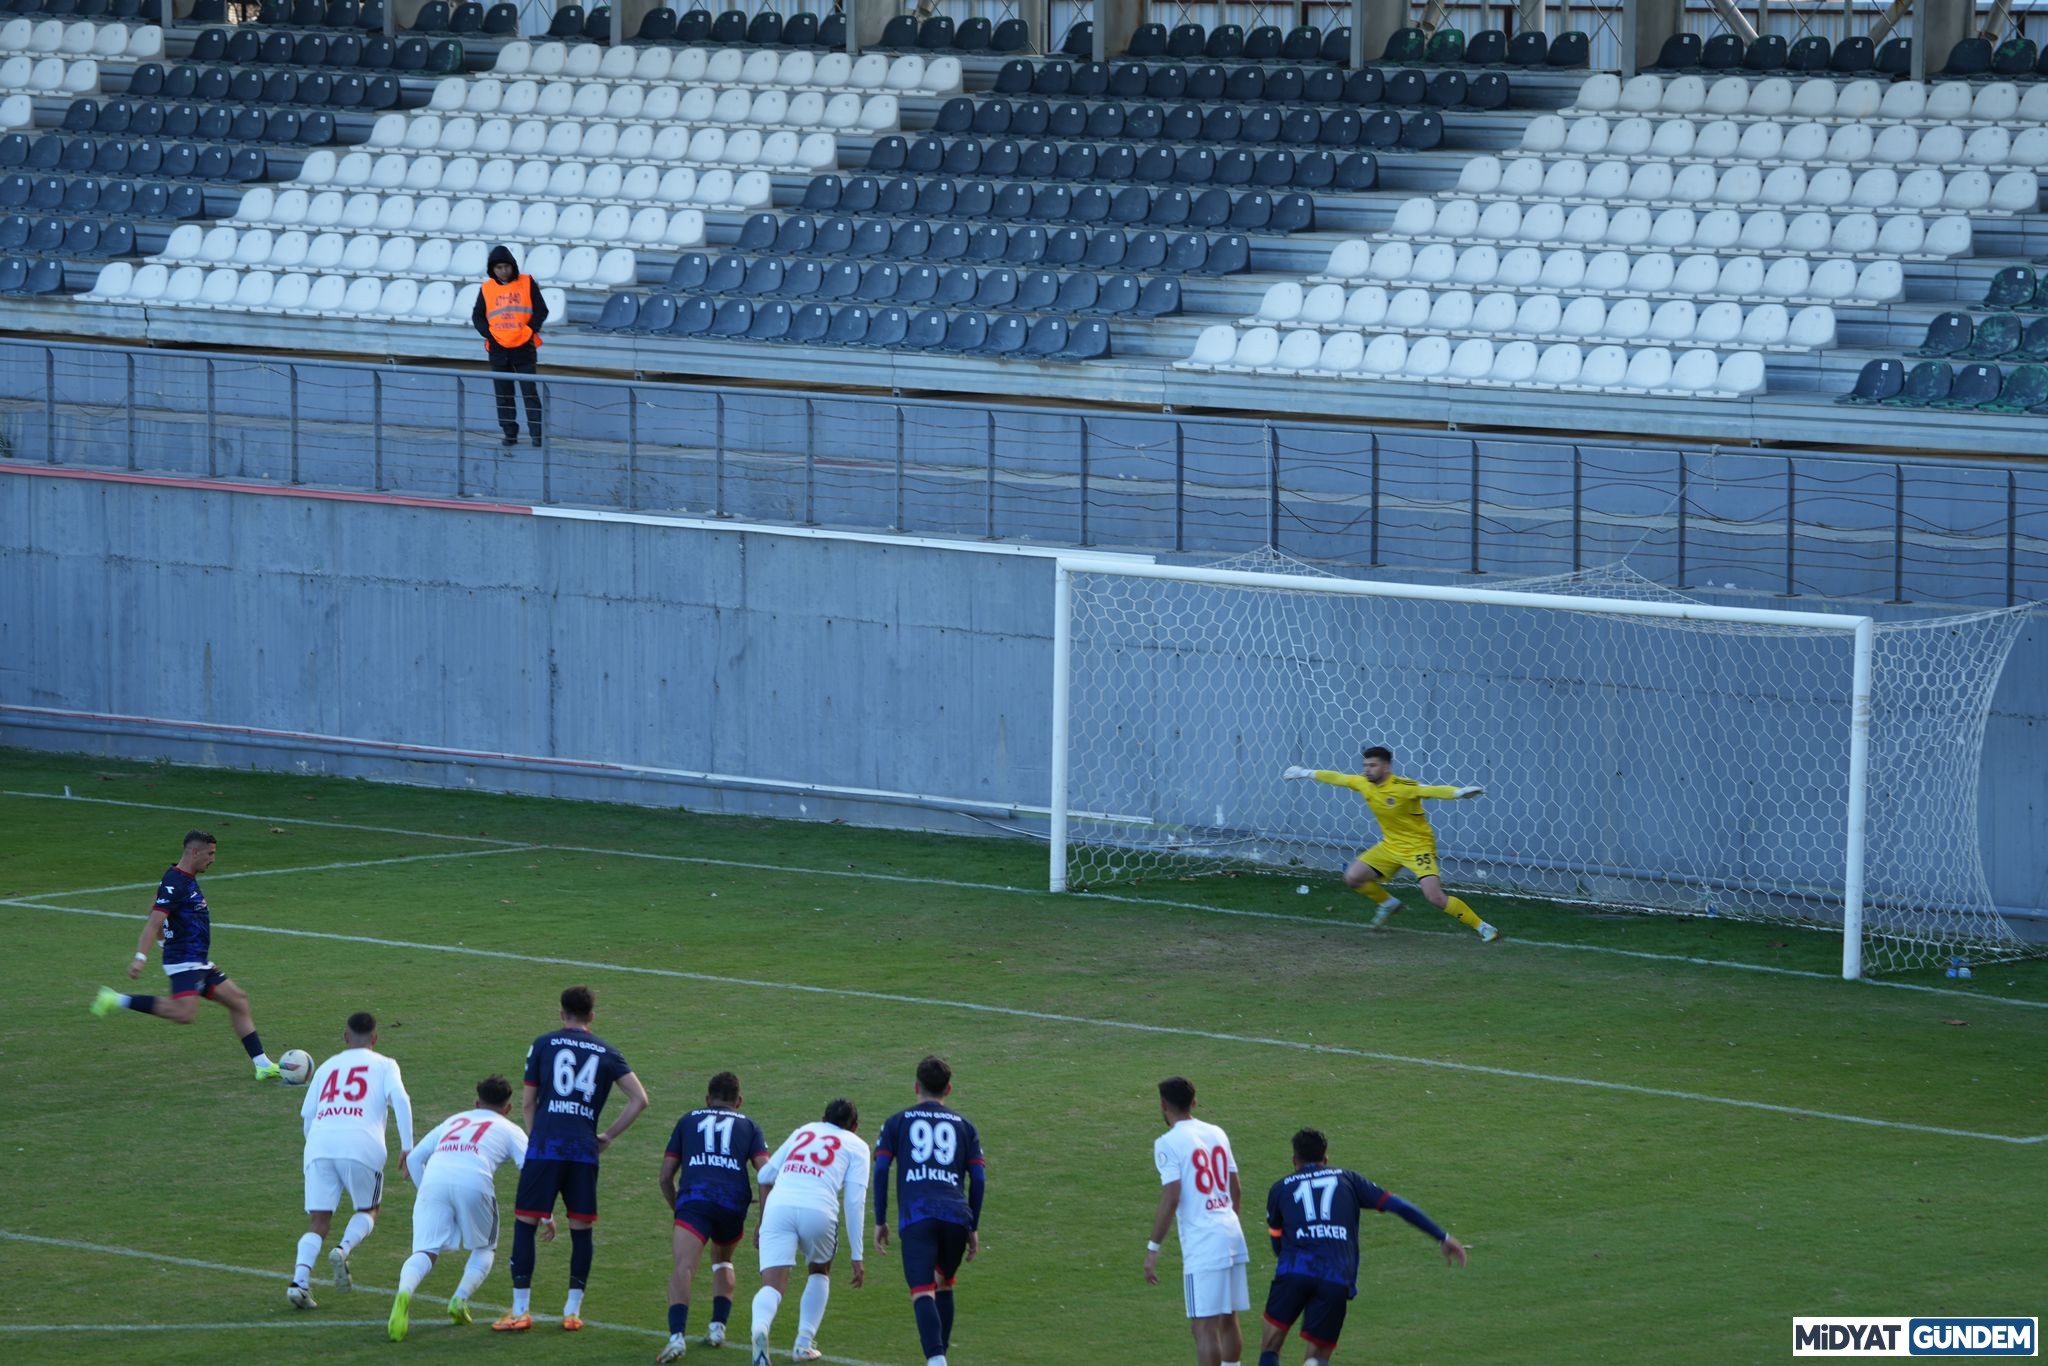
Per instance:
(287,872)
(183,1327)
(251,816)
(1508,944)
(274,1275)
(1133,1026)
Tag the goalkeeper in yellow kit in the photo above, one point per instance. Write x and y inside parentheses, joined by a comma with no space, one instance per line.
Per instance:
(1406,841)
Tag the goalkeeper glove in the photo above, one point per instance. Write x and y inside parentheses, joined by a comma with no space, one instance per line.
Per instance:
(1471,792)
(1295,771)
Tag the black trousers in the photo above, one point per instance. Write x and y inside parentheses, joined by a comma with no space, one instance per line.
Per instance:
(516,360)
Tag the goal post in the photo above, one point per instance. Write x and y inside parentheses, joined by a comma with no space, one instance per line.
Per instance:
(1642,749)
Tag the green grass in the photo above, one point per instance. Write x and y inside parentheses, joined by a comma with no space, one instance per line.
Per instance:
(1606,1224)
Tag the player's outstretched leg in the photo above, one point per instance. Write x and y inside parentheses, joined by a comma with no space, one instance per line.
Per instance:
(1366,880)
(1456,909)
(227,994)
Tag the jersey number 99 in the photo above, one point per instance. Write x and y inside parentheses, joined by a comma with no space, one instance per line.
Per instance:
(928,1140)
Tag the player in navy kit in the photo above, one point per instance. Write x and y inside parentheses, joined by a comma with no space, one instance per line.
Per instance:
(1312,1218)
(570,1073)
(181,920)
(940,1182)
(705,1177)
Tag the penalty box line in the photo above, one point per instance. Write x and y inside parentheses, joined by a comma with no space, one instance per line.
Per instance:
(1131,1026)
(226,1268)
(1509,944)
(287,872)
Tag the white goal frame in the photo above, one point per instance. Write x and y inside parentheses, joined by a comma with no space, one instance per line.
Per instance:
(1861,628)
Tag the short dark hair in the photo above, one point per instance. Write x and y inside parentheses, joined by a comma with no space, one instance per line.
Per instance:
(842,1112)
(193,837)
(934,1076)
(362,1024)
(1379,752)
(1178,1092)
(1310,1145)
(578,1003)
(725,1086)
(493,1091)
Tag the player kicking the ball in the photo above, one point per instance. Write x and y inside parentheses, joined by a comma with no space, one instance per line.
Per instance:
(457,1204)
(181,921)
(1312,1218)
(704,1178)
(1406,839)
(817,1169)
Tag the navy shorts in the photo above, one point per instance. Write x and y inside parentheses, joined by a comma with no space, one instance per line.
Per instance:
(1320,1305)
(713,1224)
(932,1252)
(541,1180)
(197,982)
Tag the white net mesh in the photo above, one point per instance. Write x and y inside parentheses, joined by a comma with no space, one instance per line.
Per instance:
(1633,762)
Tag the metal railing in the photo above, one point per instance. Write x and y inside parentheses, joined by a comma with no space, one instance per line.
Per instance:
(1786,522)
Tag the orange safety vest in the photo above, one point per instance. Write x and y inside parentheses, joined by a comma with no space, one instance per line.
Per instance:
(508,309)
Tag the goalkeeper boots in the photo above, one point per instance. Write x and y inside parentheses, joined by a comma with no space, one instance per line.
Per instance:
(1487,933)
(1388,910)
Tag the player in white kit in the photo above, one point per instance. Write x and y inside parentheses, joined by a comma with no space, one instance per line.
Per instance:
(457,1205)
(1199,1190)
(347,1100)
(818,1171)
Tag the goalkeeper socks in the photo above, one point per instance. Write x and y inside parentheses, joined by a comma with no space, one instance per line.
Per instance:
(413,1272)
(473,1275)
(359,1226)
(1457,910)
(1374,892)
(931,1335)
(678,1320)
(944,1299)
(309,1252)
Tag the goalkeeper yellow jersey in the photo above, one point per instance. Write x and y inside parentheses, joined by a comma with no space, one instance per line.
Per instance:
(1396,804)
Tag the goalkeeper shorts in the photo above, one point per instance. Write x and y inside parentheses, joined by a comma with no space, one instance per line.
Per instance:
(1387,860)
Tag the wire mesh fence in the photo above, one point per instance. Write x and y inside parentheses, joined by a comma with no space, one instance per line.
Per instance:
(1795,523)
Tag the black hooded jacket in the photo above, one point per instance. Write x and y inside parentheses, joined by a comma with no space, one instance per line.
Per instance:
(477,317)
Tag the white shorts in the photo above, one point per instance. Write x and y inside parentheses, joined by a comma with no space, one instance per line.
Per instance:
(787,1230)
(328,1177)
(1210,1293)
(447,1215)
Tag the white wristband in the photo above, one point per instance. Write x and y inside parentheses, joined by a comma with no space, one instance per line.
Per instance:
(142,958)
(1151,1246)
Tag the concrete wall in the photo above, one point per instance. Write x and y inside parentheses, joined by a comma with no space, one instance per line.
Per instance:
(722,669)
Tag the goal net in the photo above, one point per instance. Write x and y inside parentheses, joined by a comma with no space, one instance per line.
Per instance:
(1640,749)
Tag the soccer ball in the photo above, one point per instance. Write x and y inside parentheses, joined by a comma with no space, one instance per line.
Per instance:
(295,1066)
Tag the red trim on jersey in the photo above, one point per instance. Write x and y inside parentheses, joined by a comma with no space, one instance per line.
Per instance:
(884,1152)
(702,1236)
(534,1213)
(1382,1204)
(181,995)
(977,1162)
(948,1282)
(1330,1346)
(1283,1327)
(568,1213)
(917,1290)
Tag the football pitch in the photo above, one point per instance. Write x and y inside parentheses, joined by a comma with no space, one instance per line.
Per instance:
(1662,1139)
